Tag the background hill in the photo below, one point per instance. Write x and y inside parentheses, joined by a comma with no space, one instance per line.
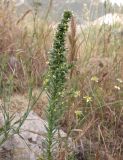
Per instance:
(81,8)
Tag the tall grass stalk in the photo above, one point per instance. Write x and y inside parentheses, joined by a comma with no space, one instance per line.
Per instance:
(11,126)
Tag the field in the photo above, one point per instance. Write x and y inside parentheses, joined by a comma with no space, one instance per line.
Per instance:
(88,102)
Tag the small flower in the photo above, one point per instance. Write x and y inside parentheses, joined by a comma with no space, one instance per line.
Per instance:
(76,94)
(78,113)
(95,79)
(119,80)
(88,99)
(117,87)
(45,81)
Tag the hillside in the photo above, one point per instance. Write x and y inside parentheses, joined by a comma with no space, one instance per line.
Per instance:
(79,7)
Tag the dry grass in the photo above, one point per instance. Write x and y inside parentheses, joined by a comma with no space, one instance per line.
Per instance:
(98,73)
(24,47)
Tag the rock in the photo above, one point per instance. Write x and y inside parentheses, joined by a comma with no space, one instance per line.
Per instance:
(30,144)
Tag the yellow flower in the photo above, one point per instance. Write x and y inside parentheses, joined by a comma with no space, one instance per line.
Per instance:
(78,113)
(88,98)
(76,94)
(117,87)
(45,81)
(119,80)
(94,78)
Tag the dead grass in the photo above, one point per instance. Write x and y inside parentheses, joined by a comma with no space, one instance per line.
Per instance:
(94,52)
(25,47)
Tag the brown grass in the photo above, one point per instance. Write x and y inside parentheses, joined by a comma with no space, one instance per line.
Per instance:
(94,52)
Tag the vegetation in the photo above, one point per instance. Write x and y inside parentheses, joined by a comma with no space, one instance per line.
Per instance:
(85,101)
(56,78)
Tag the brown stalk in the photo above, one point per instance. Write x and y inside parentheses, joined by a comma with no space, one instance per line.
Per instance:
(73,44)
